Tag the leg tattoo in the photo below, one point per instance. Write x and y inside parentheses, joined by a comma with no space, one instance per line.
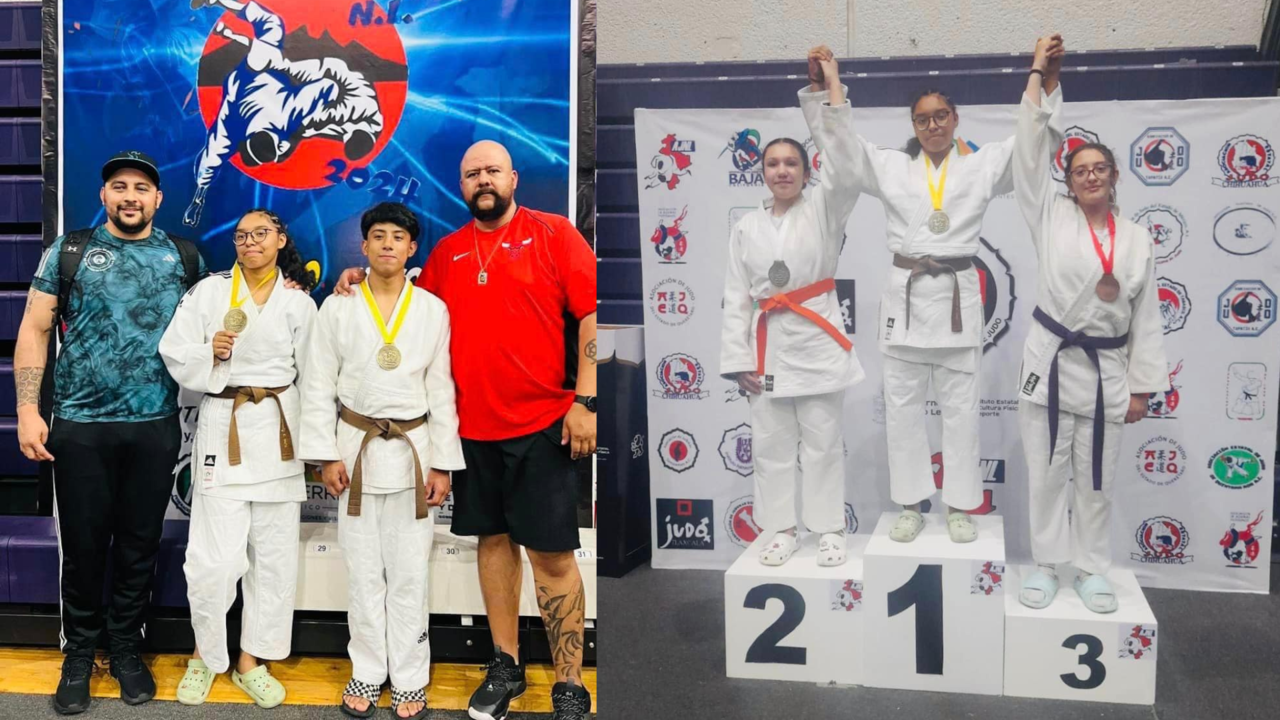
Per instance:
(564,617)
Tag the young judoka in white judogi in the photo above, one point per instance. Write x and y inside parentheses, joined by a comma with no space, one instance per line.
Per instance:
(379,413)
(239,337)
(1096,298)
(783,337)
(931,316)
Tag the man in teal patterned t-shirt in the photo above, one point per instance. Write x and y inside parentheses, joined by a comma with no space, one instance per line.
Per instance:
(115,434)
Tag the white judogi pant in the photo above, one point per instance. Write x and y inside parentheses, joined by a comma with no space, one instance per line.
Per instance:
(906,387)
(252,542)
(1084,538)
(386,552)
(778,426)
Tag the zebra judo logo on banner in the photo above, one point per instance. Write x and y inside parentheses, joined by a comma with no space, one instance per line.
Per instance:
(288,88)
(1245,161)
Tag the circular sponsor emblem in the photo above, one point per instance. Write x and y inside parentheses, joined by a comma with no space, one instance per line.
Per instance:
(669,240)
(735,449)
(1162,539)
(1247,308)
(995,287)
(1168,228)
(182,484)
(1247,160)
(678,450)
(1236,467)
(1239,545)
(1244,229)
(99,259)
(1159,156)
(681,377)
(671,302)
(1161,460)
(740,522)
(1175,304)
(1075,137)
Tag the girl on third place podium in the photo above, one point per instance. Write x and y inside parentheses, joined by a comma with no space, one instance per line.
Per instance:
(1092,357)
(783,338)
(931,318)
(238,337)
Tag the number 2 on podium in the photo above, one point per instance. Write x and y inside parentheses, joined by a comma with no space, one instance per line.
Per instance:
(924,591)
(765,649)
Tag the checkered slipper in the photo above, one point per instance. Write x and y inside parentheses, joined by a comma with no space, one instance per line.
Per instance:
(400,697)
(355,688)
(779,549)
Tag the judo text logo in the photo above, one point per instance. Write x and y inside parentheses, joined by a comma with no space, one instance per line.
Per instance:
(1246,161)
(685,524)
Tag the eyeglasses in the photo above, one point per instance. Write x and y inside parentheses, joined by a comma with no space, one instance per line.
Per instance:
(1101,170)
(258,234)
(942,117)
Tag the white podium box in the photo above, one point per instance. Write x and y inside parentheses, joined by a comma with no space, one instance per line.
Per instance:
(934,609)
(1068,652)
(797,621)
(453,583)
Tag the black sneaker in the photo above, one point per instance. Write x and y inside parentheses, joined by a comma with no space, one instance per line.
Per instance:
(73,689)
(571,702)
(503,682)
(136,684)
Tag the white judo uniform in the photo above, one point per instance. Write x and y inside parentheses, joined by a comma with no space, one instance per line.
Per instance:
(244,516)
(924,346)
(385,548)
(1068,272)
(805,369)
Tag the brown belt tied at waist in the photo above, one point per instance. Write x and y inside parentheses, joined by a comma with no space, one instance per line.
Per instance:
(388,429)
(255,395)
(933,267)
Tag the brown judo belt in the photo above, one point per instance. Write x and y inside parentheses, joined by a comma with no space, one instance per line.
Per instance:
(389,430)
(931,266)
(255,395)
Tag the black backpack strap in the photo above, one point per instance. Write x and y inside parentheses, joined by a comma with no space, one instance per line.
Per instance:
(73,245)
(190,260)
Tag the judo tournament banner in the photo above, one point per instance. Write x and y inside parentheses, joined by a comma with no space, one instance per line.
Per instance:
(315,109)
(1194,484)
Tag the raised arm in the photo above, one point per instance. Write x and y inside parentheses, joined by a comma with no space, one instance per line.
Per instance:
(1037,139)
(831,125)
(820,101)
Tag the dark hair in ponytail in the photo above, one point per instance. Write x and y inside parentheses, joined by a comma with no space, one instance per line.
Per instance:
(289,260)
(912,147)
(804,154)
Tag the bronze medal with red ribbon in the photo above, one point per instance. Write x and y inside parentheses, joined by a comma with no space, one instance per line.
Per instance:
(1108,287)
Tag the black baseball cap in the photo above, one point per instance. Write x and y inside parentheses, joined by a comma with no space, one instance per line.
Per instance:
(132,159)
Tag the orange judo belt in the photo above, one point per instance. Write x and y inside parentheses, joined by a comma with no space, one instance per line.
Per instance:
(791,301)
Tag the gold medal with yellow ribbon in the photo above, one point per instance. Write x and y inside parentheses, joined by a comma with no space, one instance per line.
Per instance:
(236,320)
(939,222)
(388,354)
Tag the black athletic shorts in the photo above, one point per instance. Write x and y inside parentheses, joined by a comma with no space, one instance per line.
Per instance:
(525,486)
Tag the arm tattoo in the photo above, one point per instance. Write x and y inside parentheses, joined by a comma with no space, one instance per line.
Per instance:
(564,616)
(28,382)
(591,351)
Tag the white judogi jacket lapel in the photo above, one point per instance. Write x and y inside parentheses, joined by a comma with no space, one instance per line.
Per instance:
(800,356)
(342,367)
(270,352)
(1068,272)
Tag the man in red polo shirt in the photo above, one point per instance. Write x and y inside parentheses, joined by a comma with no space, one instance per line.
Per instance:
(511,279)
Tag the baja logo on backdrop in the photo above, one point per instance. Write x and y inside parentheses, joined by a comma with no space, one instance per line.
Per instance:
(294,93)
(745,151)
(685,524)
(1075,137)
(815,162)
(1247,308)
(1246,161)
(1236,467)
(1159,156)
(1161,461)
(1175,304)
(740,522)
(1162,541)
(1167,227)
(1163,404)
(678,450)
(182,484)
(993,469)
(1244,229)
(681,377)
(671,163)
(735,449)
(988,580)
(1241,547)
(1246,391)
(847,595)
(669,240)
(1137,643)
(995,285)
(671,301)
(844,294)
